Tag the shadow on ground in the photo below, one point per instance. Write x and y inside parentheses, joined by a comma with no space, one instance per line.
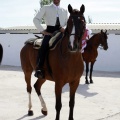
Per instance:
(26,116)
(82,90)
(95,73)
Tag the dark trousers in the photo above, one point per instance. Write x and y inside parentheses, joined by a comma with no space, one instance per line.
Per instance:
(43,50)
(45,46)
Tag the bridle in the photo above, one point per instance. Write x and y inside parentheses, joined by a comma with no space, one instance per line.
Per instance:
(78,17)
(79,26)
(101,45)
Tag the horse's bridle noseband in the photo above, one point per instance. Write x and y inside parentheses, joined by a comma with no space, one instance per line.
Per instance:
(77,27)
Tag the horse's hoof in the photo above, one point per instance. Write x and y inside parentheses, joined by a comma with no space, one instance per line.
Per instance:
(44,112)
(91,81)
(30,113)
(71,119)
(86,82)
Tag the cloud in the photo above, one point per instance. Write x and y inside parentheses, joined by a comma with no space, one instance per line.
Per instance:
(94,5)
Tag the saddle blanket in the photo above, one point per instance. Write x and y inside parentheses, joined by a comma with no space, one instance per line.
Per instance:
(37,42)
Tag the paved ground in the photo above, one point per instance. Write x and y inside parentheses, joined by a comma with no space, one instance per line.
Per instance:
(98,101)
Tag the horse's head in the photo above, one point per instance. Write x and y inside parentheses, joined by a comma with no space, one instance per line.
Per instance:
(76,24)
(103,40)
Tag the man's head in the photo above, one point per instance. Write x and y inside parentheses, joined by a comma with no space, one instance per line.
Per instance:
(56,2)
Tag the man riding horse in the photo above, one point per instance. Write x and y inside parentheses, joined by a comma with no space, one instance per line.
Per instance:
(55,19)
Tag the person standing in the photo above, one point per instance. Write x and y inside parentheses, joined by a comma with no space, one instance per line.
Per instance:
(55,19)
(85,37)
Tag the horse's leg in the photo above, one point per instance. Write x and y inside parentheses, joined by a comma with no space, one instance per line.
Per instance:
(73,87)
(87,70)
(91,70)
(37,87)
(58,91)
(29,90)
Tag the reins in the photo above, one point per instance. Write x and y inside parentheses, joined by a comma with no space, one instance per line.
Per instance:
(100,46)
(72,34)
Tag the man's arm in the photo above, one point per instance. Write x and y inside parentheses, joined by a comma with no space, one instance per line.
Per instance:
(37,20)
(62,29)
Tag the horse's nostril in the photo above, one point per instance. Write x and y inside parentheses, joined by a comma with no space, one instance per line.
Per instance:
(105,48)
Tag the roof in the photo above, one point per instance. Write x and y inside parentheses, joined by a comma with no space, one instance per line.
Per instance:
(104,26)
(32,29)
(20,28)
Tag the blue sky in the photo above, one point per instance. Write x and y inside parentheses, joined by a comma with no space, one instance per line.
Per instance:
(21,12)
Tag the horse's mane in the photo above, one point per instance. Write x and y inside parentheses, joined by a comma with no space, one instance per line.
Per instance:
(93,37)
(89,42)
(75,10)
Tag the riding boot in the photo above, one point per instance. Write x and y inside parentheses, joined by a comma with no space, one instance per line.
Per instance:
(40,73)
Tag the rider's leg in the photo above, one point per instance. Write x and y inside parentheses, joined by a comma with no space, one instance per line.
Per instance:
(41,57)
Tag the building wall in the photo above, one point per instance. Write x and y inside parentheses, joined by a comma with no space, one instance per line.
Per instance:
(12,44)
(106,61)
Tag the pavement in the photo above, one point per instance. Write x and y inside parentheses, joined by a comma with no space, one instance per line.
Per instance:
(98,101)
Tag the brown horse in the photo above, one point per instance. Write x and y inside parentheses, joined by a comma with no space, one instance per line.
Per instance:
(66,66)
(90,52)
(1,53)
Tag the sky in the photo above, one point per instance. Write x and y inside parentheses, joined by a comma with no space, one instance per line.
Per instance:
(21,12)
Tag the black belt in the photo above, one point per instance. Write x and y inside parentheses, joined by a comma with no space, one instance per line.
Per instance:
(52,29)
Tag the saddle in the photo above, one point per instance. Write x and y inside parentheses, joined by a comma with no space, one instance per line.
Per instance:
(37,42)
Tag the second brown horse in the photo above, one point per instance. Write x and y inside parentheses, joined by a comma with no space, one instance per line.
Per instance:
(90,52)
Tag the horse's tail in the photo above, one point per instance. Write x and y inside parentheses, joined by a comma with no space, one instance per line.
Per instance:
(48,65)
(1,53)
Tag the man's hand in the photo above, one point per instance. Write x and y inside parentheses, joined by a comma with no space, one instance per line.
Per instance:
(62,30)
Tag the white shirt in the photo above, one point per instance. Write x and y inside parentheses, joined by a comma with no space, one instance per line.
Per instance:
(57,7)
(49,13)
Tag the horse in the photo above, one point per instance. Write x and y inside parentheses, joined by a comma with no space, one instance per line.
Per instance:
(66,66)
(90,52)
(1,53)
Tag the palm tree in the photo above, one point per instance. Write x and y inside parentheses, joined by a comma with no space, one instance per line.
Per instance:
(89,19)
(42,3)
(45,2)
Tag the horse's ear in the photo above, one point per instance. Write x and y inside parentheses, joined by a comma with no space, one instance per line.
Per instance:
(70,9)
(82,9)
(102,31)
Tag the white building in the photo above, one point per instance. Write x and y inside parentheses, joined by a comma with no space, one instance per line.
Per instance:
(12,40)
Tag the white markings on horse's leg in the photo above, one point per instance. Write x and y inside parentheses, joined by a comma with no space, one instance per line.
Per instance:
(30,102)
(43,104)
